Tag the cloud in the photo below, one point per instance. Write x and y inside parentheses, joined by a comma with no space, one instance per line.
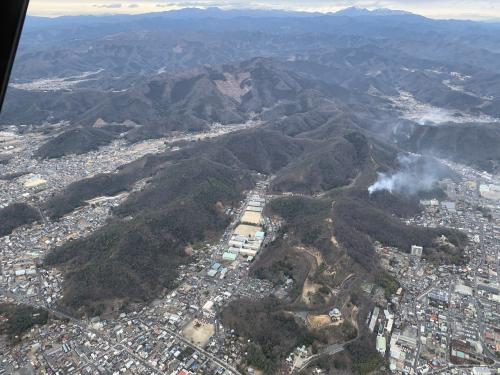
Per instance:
(133,6)
(108,6)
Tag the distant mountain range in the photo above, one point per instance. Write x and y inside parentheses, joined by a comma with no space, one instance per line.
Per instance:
(384,70)
(363,12)
(211,12)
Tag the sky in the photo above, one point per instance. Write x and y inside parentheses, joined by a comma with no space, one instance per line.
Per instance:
(460,9)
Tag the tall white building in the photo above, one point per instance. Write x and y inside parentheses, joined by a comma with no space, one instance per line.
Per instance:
(417,250)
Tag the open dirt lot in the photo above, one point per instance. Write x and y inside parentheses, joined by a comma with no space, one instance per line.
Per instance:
(247,230)
(250,217)
(318,321)
(198,332)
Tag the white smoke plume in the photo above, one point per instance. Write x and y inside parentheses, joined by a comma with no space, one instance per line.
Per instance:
(417,174)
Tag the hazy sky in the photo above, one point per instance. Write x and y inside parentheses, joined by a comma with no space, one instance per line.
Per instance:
(465,9)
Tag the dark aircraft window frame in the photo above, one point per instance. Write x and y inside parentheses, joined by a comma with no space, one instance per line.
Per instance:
(12,16)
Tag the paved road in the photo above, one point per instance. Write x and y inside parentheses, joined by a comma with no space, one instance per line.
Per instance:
(448,368)
(480,318)
(85,327)
(80,323)
(329,350)
(220,362)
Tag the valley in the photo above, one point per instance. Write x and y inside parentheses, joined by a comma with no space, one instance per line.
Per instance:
(426,114)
